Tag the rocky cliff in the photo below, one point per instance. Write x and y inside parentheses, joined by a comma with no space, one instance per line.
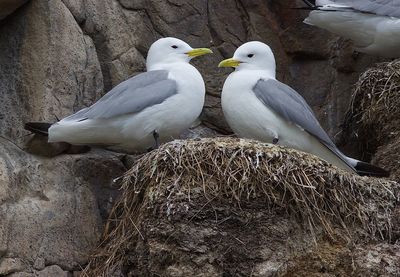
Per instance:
(58,56)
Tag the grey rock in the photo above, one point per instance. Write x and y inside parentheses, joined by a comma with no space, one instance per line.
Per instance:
(48,67)
(55,208)
(52,271)
(10,265)
(198,132)
(380,259)
(22,274)
(39,264)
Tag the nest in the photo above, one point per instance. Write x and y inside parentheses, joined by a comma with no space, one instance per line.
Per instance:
(321,196)
(374,114)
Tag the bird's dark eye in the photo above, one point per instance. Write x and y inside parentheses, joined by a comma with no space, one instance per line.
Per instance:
(250,55)
(174,46)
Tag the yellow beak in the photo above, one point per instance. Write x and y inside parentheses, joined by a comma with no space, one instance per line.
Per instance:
(229,63)
(198,52)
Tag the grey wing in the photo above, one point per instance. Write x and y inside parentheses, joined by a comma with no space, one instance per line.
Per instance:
(131,96)
(287,103)
(380,7)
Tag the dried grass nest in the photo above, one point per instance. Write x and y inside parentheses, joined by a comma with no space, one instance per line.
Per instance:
(375,106)
(321,195)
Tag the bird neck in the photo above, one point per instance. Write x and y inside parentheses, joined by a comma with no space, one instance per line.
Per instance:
(264,71)
(267,73)
(167,66)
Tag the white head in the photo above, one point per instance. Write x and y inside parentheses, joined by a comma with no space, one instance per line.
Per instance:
(172,50)
(253,55)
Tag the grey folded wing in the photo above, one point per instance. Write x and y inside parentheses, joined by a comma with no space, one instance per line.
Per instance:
(131,96)
(380,7)
(290,105)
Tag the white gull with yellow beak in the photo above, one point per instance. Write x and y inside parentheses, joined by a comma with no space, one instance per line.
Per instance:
(152,107)
(257,106)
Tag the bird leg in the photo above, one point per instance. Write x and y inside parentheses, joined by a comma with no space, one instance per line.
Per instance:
(156,144)
(156,136)
(275,140)
(355,54)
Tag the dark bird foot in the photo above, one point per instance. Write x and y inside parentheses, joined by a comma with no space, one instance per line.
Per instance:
(156,142)
(156,136)
(355,54)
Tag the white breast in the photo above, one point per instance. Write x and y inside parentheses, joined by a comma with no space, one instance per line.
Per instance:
(245,113)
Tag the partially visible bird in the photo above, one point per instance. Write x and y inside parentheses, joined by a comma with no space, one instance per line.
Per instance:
(372,25)
(139,113)
(257,106)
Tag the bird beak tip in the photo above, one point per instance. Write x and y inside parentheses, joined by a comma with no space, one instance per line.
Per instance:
(229,63)
(198,52)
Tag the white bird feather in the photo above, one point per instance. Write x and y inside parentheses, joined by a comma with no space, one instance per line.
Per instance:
(167,100)
(257,106)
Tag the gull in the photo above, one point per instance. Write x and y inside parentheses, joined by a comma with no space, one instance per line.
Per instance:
(139,113)
(257,106)
(372,25)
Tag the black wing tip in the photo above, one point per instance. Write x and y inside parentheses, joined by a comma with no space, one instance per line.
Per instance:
(310,6)
(41,128)
(306,8)
(366,169)
(310,3)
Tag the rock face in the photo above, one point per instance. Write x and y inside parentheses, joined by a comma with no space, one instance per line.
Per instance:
(58,56)
(52,210)
(49,68)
